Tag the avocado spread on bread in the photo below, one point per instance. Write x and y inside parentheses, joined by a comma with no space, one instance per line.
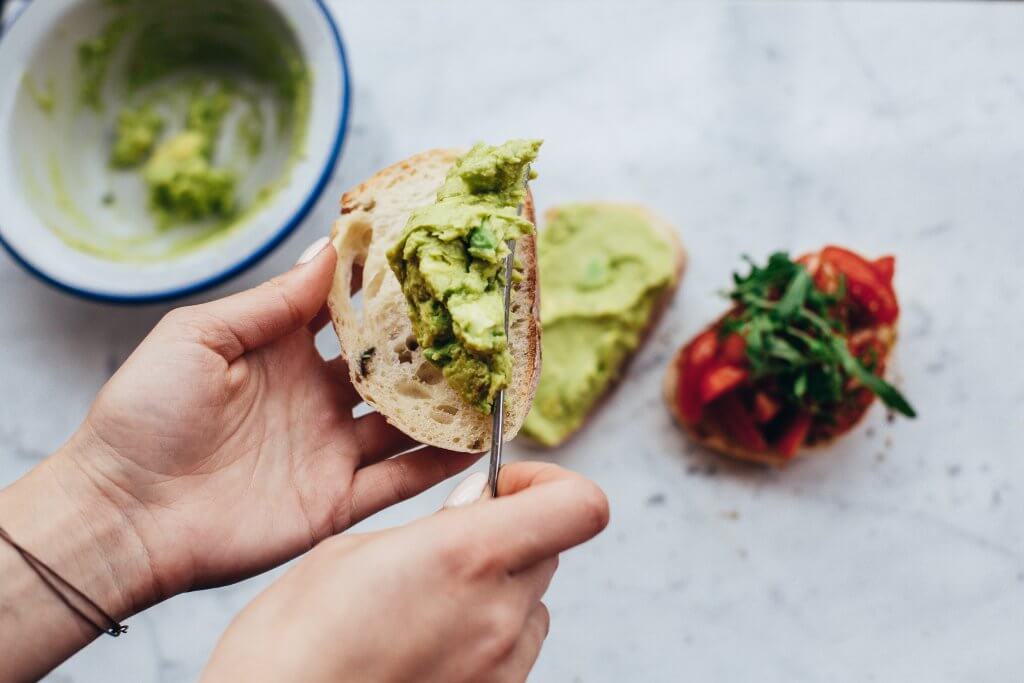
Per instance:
(603,269)
(450,263)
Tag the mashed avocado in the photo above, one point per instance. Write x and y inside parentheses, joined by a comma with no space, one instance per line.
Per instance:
(206,113)
(200,109)
(183,184)
(137,131)
(602,267)
(450,263)
(94,56)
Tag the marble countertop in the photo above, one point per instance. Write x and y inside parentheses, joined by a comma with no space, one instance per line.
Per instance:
(898,554)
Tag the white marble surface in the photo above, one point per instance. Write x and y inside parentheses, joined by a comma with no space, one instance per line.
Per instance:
(899,555)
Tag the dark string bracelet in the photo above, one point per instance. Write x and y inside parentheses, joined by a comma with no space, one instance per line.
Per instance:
(59,585)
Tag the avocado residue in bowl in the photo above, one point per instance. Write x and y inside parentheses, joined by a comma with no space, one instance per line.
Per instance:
(201,110)
(137,131)
(450,263)
(603,268)
(183,183)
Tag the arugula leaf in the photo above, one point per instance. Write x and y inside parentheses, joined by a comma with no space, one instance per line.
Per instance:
(794,337)
(800,386)
(795,295)
(885,391)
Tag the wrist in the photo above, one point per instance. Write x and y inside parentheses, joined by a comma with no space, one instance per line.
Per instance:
(56,514)
(69,522)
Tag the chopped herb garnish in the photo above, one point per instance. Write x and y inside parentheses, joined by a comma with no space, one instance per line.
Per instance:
(794,339)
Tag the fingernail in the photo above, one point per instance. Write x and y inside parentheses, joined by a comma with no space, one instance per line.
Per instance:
(312,250)
(468,491)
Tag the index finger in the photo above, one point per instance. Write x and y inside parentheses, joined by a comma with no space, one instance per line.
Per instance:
(542,510)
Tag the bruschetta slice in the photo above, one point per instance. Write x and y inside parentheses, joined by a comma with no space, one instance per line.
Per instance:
(796,362)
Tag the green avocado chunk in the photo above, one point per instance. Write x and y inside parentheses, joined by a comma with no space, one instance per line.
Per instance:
(450,261)
(603,268)
(182,183)
(136,134)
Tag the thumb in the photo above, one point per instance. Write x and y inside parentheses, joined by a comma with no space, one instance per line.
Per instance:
(274,309)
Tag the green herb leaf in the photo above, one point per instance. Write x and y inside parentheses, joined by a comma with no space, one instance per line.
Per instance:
(889,395)
(794,338)
(795,295)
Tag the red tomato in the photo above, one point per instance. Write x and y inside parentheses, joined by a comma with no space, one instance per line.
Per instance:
(704,348)
(720,380)
(794,436)
(863,283)
(693,362)
(734,350)
(733,418)
(765,408)
(811,262)
(825,275)
(886,268)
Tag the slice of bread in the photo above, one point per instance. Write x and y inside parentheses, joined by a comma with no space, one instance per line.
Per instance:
(386,365)
(726,446)
(668,232)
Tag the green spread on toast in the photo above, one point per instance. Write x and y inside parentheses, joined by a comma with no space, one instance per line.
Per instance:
(450,263)
(603,268)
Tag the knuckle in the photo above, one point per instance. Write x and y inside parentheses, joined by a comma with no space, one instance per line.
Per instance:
(484,560)
(550,571)
(470,560)
(543,620)
(197,324)
(181,317)
(187,321)
(399,479)
(501,628)
(451,553)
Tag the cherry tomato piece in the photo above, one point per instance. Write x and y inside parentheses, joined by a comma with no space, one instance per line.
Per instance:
(734,350)
(719,381)
(738,424)
(886,268)
(765,408)
(794,436)
(693,362)
(863,283)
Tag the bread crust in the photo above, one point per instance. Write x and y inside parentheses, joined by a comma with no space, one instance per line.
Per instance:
(681,258)
(720,444)
(384,363)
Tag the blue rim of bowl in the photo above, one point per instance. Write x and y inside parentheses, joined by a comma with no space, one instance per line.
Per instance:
(287,229)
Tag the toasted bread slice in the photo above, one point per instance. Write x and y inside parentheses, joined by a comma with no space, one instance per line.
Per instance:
(668,232)
(726,446)
(386,365)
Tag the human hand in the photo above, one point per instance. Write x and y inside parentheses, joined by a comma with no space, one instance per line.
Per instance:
(453,597)
(228,444)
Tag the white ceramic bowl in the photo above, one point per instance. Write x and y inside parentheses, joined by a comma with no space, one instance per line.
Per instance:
(48,30)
